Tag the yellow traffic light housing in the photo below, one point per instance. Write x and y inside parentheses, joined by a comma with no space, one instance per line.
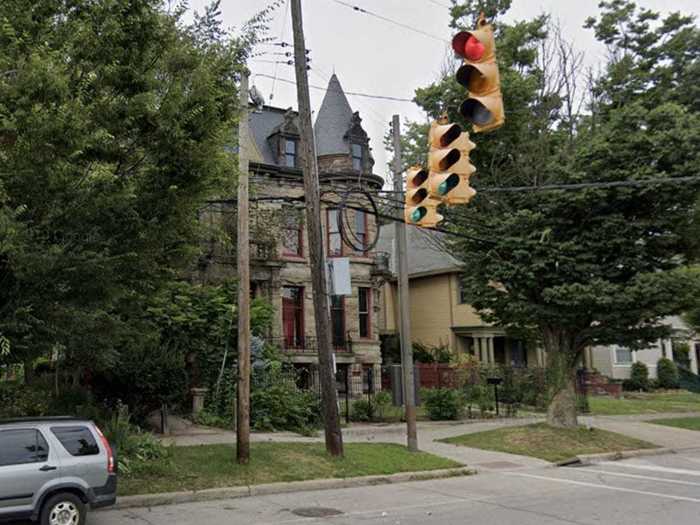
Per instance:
(448,162)
(479,74)
(421,208)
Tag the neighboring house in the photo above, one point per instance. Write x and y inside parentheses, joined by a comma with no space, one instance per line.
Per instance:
(280,270)
(440,313)
(616,361)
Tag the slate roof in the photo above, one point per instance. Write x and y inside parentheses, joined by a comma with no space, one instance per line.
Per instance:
(426,254)
(262,125)
(333,121)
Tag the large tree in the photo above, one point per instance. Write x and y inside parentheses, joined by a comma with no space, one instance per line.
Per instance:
(114,115)
(593,265)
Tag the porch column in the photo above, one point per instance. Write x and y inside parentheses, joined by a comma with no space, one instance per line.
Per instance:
(489,343)
(540,357)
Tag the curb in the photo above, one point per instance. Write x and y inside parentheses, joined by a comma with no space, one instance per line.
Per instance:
(588,459)
(172,498)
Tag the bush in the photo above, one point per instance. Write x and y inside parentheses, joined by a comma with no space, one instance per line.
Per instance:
(134,448)
(382,404)
(18,400)
(667,373)
(278,404)
(361,410)
(443,403)
(639,378)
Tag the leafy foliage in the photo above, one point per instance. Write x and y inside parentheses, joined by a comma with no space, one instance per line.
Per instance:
(667,373)
(639,378)
(598,265)
(443,403)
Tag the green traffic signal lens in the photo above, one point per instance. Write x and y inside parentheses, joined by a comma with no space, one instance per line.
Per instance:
(448,184)
(418,214)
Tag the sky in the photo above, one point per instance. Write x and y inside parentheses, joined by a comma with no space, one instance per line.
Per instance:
(375,57)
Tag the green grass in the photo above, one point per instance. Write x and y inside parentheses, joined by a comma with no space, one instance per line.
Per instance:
(549,443)
(211,466)
(645,403)
(689,423)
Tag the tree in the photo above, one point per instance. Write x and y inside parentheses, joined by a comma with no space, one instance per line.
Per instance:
(596,265)
(113,120)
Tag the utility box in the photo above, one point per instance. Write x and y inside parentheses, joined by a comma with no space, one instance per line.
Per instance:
(397,385)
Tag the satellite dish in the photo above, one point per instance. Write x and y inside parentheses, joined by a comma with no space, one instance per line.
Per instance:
(257,98)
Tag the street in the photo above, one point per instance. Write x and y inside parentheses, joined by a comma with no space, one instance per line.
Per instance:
(650,490)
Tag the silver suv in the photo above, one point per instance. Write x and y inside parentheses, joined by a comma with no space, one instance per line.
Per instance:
(52,469)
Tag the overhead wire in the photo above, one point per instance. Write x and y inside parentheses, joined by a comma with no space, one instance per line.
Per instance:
(284,27)
(391,21)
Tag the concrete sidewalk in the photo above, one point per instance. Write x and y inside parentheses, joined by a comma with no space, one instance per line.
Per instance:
(642,427)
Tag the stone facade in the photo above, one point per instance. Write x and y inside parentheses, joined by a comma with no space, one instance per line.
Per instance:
(279,241)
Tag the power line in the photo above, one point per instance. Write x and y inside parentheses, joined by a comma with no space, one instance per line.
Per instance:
(389,20)
(353,93)
(284,26)
(440,4)
(585,185)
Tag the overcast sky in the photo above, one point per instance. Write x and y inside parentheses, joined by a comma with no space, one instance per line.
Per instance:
(375,57)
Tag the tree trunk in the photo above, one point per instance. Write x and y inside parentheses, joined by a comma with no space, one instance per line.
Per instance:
(561,377)
(562,405)
(29,372)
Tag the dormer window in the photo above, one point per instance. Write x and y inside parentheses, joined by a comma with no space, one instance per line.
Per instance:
(290,153)
(357,157)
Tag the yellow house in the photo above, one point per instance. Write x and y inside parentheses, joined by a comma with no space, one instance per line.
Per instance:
(440,313)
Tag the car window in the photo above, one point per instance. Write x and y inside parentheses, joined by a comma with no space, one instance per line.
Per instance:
(22,446)
(78,441)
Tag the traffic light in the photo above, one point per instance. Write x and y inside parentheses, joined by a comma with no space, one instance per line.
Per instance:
(421,208)
(448,162)
(479,74)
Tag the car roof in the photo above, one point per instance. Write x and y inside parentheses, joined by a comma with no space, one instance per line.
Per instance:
(42,420)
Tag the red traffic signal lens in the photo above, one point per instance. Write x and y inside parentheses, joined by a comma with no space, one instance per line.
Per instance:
(419,196)
(448,160)
(473,49)
(475,112)
(419,178)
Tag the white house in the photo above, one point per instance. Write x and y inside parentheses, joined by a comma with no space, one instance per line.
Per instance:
(616,361)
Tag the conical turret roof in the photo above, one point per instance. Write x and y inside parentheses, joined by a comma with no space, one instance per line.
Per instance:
(333,121)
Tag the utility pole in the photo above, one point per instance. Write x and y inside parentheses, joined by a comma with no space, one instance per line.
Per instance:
(404,299)
(329,397)
(243,248)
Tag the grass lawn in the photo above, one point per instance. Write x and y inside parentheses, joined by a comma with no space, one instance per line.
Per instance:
(210,466)
(645,403)
(548,443)
(689,423)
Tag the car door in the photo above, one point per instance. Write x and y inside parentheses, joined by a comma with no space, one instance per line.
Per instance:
(26,465)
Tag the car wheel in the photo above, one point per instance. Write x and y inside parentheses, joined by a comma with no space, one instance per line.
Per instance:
(63,509)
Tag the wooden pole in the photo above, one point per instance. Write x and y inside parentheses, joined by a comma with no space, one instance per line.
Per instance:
(404,299)
(329,395)
(243,248)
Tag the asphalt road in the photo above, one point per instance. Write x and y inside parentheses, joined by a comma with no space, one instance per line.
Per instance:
(653,490)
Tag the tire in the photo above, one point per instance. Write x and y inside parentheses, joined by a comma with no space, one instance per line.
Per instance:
(64,508)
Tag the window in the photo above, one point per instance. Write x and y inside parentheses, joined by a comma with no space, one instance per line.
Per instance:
(338,320)
(363,307)
(292,233)
(357,157)
(342,378)
(623,356)
(361,229)
(335,243)
(78,441)
(293,316)
(18,447)
(290,153)
(463,295)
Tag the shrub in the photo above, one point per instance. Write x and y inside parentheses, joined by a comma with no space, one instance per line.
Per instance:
(18,400)
(639,378)
(667,373)
(382,405)
(443,403)
(278,404)
(361,410)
